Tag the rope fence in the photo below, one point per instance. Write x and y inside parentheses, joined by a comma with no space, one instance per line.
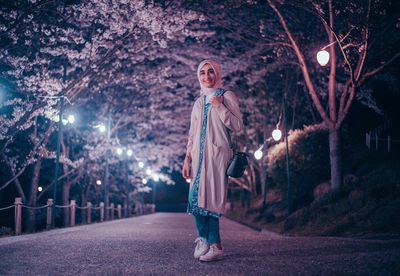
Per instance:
(6,208)
(82,208)
(72,207)
(63,206)
(35,207)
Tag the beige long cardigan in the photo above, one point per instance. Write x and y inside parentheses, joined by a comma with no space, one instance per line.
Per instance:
(213,186)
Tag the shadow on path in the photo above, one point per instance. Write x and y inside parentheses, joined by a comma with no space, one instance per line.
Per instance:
(162,244)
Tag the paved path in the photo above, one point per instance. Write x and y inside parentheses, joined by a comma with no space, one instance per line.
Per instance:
(162,244)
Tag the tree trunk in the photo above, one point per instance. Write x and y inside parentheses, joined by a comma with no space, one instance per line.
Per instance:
(31,223)
(84,200)
(66,188)
(335,157)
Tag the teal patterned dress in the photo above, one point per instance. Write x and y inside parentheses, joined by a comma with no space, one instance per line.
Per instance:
(193,207)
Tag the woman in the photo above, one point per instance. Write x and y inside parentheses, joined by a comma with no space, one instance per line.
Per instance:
(214,114)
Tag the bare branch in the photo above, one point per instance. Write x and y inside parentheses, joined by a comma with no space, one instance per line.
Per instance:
(362,58)
(376,70)
(303,67)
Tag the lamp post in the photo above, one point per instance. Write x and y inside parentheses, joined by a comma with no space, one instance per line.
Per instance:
(106,172)
(287,156)
(128,153)
(258,154)
(53,213)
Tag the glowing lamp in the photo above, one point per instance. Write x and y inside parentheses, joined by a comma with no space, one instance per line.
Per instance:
(323,57)
(156,177)
(258,154)
(71,119)
(276,134)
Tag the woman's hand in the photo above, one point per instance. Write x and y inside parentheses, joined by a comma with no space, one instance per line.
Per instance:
(216,100)
(186,168)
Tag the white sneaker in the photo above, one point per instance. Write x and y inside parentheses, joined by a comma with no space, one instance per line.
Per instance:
(201,247)
(213,254)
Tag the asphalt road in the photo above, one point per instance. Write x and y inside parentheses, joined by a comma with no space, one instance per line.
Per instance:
(162,244)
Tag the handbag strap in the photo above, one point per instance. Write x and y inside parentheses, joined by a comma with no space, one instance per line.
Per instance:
(221,92)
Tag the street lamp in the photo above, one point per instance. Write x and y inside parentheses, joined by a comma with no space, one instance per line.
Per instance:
(141,164)
(287,156)
(323,57)
(71,119)
(155,177)
(98,182)
(258,154)
(102,129)
(276,134)
(60,119)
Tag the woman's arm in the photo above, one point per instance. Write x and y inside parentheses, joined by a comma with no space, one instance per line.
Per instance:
(229,112)
(188,157)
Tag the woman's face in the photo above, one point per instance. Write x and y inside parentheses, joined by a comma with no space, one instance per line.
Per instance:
(207,76)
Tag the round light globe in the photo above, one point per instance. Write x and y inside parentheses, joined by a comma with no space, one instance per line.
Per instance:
(258,154)
(323,57)
(156,178)
(40,188)
(98,182)
(141,164)
(119,151)
(71,119)
(276,134)
(102,128)
(129,152)
(148,172)
(64,121)
(144,181)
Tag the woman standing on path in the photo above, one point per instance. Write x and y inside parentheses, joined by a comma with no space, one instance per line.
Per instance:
(214,114)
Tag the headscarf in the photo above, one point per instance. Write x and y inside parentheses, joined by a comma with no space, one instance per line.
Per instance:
(217,69)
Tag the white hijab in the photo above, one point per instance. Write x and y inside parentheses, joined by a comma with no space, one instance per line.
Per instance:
(217,69)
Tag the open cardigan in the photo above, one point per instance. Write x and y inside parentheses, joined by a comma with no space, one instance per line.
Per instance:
(213,184)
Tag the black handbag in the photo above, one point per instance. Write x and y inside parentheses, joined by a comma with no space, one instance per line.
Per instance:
(237,165)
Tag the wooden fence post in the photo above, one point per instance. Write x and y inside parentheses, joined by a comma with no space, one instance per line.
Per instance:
(73,205)
(119,210)
(101,211)
(18,209)
(112,210)
(48,220)
(89,212)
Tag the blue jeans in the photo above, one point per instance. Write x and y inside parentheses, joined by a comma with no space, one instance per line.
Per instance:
(208,228)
